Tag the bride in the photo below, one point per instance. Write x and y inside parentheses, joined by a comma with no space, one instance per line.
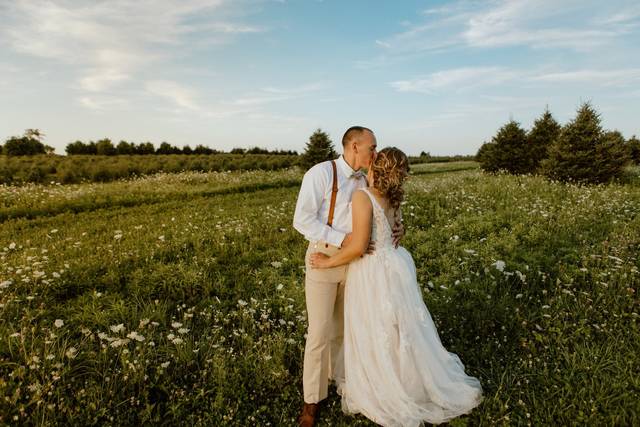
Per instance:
(397,373)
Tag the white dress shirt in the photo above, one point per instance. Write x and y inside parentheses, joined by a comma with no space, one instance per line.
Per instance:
(312,208)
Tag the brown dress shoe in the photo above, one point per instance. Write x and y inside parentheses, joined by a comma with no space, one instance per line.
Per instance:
(309,414)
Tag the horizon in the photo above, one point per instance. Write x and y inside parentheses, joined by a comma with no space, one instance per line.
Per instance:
(440,77)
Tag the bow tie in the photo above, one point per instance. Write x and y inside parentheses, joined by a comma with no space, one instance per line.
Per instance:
(357,175)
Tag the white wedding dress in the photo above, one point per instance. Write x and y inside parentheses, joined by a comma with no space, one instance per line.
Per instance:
(397,373)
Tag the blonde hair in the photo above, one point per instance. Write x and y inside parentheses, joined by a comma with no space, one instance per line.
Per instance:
(390,169)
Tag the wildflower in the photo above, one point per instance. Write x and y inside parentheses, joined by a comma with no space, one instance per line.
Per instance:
(279,287)
(135,336)
(171,336)
(177,341)
(5,284)
(276,264)
(176,325)
(12,245)
(161,238)
(143,323)
(119,342)
(165,364)
(518,296)
(183,330)
(117,328)
(242,303)
(499,265)
(59,323)
(71,352)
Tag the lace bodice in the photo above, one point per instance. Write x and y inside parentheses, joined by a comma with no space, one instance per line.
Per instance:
(380,227)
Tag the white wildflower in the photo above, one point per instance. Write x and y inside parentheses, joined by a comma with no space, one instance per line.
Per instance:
(117,328)
(500,265)
(59,323)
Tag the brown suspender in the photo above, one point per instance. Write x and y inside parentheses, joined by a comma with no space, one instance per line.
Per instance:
(334,192)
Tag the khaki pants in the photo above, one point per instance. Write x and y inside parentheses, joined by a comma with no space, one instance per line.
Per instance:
(323,353)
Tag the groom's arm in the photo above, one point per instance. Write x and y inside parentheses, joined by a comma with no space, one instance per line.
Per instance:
(362,212)
(305,219)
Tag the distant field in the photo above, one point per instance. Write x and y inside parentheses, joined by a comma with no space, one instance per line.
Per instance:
(179,299)
(90,168)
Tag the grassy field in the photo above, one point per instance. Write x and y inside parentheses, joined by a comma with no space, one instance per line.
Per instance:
(179,299)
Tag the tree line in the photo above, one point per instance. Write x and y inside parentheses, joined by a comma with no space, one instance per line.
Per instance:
(30,143)
(580,151)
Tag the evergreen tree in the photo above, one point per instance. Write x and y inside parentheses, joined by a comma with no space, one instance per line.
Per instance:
(633,145)
(509,150)
(485,156)
(145,148)
(584,152)
(318,149)
(544,132)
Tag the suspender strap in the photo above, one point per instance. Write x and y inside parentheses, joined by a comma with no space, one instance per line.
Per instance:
(334,192)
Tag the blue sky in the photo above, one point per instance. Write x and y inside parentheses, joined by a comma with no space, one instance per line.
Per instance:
(437,76)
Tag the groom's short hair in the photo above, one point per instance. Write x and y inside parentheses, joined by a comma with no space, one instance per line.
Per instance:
(353,133)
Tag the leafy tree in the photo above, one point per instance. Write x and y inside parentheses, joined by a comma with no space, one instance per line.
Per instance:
(125,147)
(318,149)
(633,145)
(201,149)
(166,148)
(49,150)
(237,151)
(187,150)
(27,145)
(104,147)
(545,130)
(584,152)
(145,148)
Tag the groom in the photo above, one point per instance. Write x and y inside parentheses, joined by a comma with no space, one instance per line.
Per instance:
(323,216)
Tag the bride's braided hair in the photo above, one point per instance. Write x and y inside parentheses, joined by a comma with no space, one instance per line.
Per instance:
(390,169)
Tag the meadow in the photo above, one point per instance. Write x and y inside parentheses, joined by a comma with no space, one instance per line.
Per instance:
(178,299)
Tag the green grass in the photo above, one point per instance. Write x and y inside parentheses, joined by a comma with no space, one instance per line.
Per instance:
(212,260)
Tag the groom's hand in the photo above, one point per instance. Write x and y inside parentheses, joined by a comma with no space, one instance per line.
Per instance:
(397,233)
(346,240)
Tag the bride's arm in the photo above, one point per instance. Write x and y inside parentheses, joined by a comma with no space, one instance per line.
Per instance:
(361,213)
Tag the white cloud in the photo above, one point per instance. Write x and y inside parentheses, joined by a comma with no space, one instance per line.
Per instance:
(460,79)
(180,95)
(539,24)
(457,79)
(105,44)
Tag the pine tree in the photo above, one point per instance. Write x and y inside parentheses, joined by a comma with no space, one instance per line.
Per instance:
(507,150)
(584,152)
(633,145)
(544,132)
(486,157)
(318,149)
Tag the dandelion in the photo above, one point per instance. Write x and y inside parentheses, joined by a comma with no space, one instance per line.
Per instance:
(59,323)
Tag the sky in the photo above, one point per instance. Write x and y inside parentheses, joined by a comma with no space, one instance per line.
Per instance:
(434,76)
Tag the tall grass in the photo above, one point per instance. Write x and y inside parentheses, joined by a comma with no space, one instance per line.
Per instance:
(190,310)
